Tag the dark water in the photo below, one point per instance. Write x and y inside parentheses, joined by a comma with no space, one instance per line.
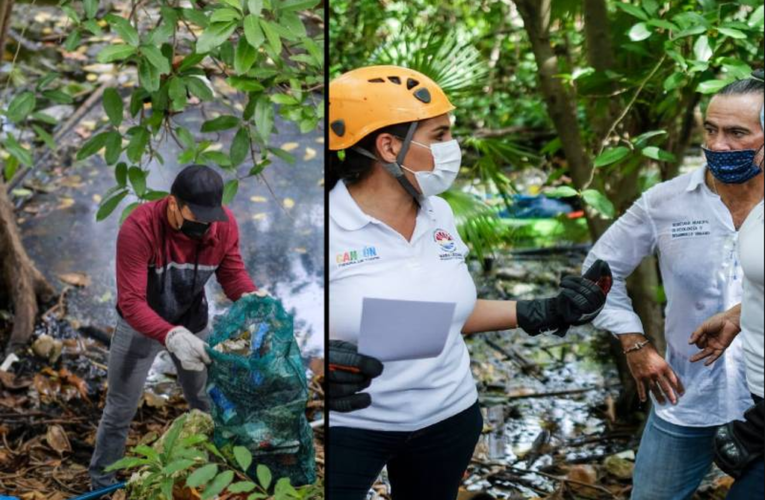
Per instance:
(282,247)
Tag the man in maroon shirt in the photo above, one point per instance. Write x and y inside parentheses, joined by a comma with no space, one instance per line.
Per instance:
(166,252)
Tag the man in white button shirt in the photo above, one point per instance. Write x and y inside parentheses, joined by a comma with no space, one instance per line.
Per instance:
(692,223)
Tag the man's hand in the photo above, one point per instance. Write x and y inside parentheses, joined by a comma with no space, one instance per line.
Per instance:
(715,335)
(581,299)
(188,348)
(349,374)
(650,370)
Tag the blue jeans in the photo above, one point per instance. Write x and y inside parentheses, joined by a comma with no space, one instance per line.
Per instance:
(672,460)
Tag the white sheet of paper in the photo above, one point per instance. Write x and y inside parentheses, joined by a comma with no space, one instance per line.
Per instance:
(395,330)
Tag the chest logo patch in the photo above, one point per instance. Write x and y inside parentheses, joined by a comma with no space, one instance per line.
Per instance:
(690,228)
(444,240)
(350,257)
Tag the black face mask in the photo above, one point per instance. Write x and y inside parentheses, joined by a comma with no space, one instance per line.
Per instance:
(193,229)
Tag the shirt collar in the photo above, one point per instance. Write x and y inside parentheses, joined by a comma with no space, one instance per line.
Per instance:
(346,213)
(698,177)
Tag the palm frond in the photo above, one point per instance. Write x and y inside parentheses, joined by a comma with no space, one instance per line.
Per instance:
(450,60)
(477,223)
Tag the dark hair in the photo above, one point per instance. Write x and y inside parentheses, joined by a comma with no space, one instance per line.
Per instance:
(753,85)
(355,167)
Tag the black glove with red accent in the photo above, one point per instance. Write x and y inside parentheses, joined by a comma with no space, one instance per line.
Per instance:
(349,374)
(580,300)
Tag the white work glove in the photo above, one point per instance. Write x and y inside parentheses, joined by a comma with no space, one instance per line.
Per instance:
(188,348)
(258,293)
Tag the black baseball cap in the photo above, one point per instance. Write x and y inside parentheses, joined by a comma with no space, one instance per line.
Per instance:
(201,188)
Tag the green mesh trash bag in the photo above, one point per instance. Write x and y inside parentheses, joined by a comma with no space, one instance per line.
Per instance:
(258,389)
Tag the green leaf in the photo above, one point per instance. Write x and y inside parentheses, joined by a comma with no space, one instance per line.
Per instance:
(57,96)
(137,180)
(701,49)
(105,209)
(120,174)
(21,106)
(673,81)
(47,80)
(661,23)
(172,436)
(561,192)
(156,58)
(297,4)
(272,36)
(280,153)
(44,136)
(257,169)
(242,487)
(237,4)
(11,166)
(199,88)
(255,6)
(658,154)
(639,32)
(264,476)
(264,118)
(73,40)
(176,90)
(124,29)
(128,210)
(253,31)
(611,155)
(292,23)
(216,157)
(229,192)
(243,455)
(732,33)
(633,10)
(92,146)
(91,7)
(244,84)
(240,147)
(21,153)
(599,202)
(113,147)
(225,15)
(223,122)
(640,140)
(137,144)
(92,26)
(690,31)
(214,36)
(283,99)
(218,485)
(191,454)
(757,18)
(245,56)
(113,106)
(115,53)
(177,466)
(148,76)
(190,61)
(712,86)
(127,462)
(186,138)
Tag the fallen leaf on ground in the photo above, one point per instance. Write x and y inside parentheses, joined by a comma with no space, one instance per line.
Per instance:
(75,279)
(57,439)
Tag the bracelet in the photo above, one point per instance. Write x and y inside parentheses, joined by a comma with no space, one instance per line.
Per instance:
(637,346)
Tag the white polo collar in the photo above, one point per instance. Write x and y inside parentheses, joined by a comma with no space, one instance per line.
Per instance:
(347,214)
(698,177)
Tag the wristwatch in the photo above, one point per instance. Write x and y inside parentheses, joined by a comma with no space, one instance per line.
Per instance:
(637,346)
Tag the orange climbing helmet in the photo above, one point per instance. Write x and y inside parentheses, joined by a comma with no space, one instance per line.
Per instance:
(367,99)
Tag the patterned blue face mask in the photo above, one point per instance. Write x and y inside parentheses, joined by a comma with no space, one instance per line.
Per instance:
(732,167)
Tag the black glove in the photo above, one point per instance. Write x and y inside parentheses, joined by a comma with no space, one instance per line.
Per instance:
(580,301)
(739,443)
(349,373)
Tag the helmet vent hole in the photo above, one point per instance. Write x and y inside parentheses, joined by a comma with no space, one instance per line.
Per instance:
(338,127)
(423,95)
(376,80)
(410,83)
(395,80)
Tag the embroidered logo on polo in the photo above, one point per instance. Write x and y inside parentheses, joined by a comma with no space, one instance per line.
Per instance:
(690,228)
(447,245)
(351,257)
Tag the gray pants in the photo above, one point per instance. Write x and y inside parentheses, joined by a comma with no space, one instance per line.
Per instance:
(130,358)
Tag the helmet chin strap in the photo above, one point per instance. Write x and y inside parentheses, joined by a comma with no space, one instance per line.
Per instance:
(395,168)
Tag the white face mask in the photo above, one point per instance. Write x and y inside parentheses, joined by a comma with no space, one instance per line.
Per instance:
(447,159)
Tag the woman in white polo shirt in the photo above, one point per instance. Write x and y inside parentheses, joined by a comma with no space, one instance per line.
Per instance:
(391,237)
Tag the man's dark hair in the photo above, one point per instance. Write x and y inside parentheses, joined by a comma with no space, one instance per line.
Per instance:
(355,167)
(753,85)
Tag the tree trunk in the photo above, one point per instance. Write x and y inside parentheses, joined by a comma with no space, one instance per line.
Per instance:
(20,280)
(560,104)
(600,55)
(6,7)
